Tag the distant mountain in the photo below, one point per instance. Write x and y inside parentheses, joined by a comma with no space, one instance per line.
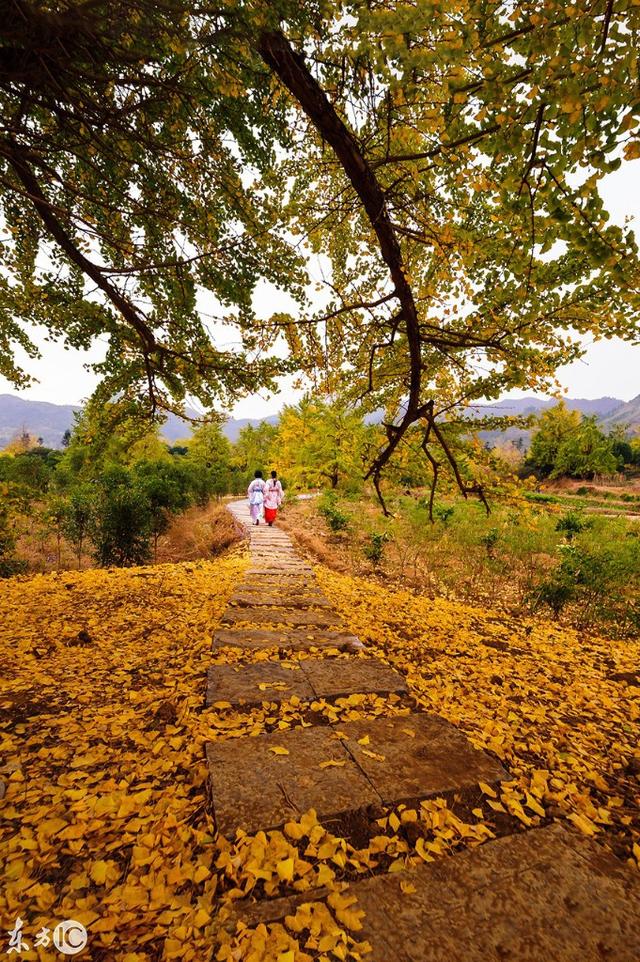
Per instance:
(518,407)
(38,418)
(625,415)
(233,427)
(49,421)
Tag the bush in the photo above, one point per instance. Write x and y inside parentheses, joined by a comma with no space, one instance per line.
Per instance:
(572,523)
(336,519)
(490,540)
(79,518)
(122,527)
(10,564)
(444,513)
(374,547)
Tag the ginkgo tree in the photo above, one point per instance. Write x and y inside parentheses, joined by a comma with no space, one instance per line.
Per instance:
(452,155)
(444,157)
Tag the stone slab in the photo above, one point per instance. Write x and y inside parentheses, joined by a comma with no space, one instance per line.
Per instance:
(253,684)
(280,616)
(255,639)
(330,677)
(286,599)
(253,788)
(309,679)
(418,756)
(546,895)
(540,896)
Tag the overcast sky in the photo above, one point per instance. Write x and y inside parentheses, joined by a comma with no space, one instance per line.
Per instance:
(608,368)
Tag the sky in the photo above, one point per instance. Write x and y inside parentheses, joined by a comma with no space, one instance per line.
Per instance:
(608,368)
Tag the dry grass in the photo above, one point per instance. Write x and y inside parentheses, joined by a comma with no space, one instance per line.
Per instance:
(312,536)
(199,533)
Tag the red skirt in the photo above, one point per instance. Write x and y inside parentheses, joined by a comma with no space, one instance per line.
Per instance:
(270,515)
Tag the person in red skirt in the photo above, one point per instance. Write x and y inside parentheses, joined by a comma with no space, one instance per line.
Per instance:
(273,495)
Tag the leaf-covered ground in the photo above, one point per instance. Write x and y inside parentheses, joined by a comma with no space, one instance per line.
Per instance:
(103,729)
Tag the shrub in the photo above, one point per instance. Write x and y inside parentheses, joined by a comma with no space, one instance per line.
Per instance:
(374,547)
(490,540)
(572,523)
(122,527)
(444,513)
(79,517)
(336,519)
(10,564)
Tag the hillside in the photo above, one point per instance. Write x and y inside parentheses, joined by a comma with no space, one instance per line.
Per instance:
(625,415)
(49,421)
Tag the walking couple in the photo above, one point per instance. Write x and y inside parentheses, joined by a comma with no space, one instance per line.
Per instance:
(265,496)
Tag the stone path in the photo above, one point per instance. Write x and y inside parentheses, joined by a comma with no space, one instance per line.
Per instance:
(546,895)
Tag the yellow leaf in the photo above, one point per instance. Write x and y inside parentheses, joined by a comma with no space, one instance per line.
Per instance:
(585,825)
(487,790)
(285,869)
(99,872)
(279,750)
(201,873)
(287,956)
(364,740)
(408,888)
(332,763)
(201,918)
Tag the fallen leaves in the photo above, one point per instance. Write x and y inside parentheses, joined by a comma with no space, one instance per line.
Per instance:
(105,779)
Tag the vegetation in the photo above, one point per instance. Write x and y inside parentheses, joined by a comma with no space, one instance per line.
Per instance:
(567,444)
(111,667)
(111,493)
(523,557)
(509,119)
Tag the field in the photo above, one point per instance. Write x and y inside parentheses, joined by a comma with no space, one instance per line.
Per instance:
(540,552)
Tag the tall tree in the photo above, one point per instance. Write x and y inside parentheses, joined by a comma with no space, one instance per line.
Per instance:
(554,427)
(453,154)
(322,443)
(132,140)
(445,156)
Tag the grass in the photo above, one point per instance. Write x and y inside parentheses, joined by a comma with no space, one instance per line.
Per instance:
(501,559)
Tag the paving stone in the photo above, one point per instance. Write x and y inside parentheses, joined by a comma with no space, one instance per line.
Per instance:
(546,895)
(253,788)
(256,639)
(309,679)
(285,599)
(436,759)
(253,684)
(539,896)
(330,677)
(280,616)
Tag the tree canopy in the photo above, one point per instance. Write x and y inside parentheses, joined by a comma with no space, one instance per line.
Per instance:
(442,159)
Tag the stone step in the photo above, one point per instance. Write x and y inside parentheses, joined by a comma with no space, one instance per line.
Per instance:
(256,639)
(280,616)
(545,895)
(405,757)
(252,684)
(308,679)
(284,600)
(303,576)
